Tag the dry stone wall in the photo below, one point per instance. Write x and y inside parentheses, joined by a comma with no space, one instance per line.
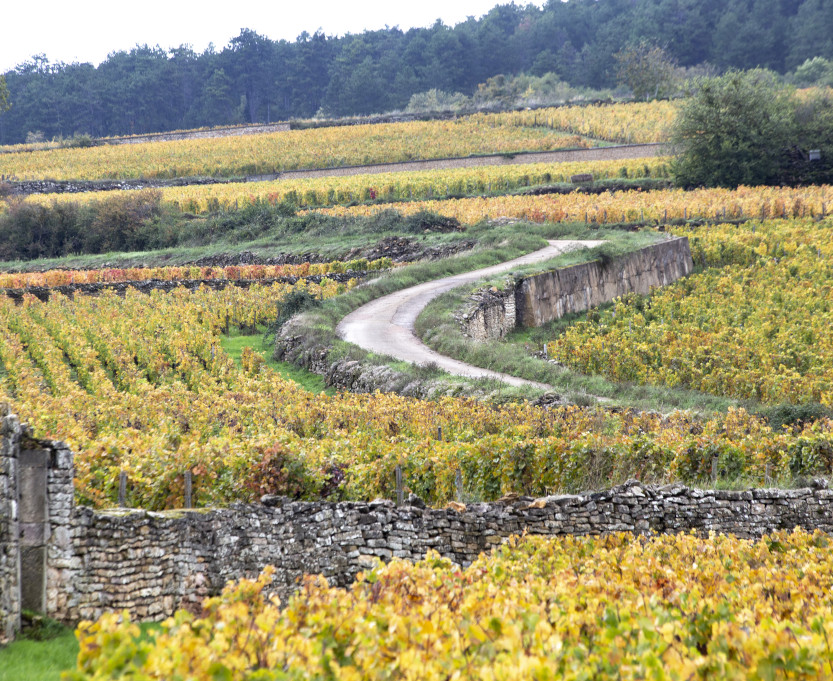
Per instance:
(147,286)
(9,525)
(539,299)
(153,563)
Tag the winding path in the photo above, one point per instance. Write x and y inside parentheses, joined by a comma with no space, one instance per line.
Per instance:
(386,325)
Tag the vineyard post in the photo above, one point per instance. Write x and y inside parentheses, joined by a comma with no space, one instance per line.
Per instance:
(122,489)
(400,493)
(458,485)
(714,468)
(440,433)
(188,489)
(766,475)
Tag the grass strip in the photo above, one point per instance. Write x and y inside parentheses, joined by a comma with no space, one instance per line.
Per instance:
(236,340)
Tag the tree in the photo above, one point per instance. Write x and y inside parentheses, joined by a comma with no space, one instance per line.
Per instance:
(5,104)
(647,70)
(815,71)
(735,129)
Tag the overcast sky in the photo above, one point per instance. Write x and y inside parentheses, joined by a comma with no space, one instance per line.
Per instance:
(88,30)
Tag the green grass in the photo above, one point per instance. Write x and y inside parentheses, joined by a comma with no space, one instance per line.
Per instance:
(184,239)
(29,660)
(233,345)
(26,660)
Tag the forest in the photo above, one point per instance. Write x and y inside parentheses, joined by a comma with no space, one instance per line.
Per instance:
(256,79)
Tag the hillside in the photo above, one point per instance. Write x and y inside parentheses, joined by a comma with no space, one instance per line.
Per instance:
(255,79)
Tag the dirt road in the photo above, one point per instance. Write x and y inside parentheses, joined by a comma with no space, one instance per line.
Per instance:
(386,325)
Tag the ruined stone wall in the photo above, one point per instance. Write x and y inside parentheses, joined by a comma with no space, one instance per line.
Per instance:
(491,314)
(9,528)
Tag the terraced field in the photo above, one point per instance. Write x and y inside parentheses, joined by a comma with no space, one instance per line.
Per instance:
(147,385)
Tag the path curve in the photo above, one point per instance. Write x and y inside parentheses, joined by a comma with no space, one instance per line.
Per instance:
(386,325)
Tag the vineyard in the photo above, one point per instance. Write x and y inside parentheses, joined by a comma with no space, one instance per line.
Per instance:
(141,384)
(540,130)
(755,324)
(617,607)
(175,385)
(401,186)
(630,123)
(276,152)
(629,206)
(52,278)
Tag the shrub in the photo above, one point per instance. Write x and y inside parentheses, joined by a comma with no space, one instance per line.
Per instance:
(733,131)
(747,128)
(115,223)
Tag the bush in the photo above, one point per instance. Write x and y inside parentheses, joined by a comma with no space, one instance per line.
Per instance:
(733,131)
(78,142)
(746,127)
(115,223)
(784,416)
(426,221)
(29,230)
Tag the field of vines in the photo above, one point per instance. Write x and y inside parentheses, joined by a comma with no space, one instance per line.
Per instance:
(626,206)
(627,123)
(539,130)
(279,151)
(756,324)
(59,277)
(141,384)
(574,608)
(401,186)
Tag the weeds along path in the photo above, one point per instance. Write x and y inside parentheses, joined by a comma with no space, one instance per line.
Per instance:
(386,325)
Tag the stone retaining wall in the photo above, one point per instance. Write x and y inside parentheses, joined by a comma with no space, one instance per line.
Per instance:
(154,563)
(545,297)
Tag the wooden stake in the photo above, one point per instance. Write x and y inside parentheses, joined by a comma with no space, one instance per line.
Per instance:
(122,489)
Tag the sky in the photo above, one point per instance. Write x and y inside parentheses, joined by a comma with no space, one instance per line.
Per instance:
(88,30)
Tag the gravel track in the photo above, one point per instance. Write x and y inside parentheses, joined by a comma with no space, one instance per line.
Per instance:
(386,325)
